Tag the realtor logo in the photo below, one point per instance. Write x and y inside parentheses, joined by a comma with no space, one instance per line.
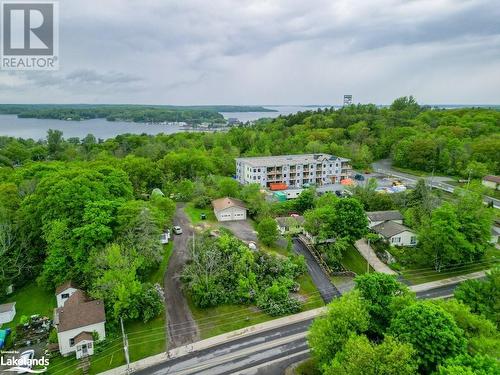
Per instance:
(29,35)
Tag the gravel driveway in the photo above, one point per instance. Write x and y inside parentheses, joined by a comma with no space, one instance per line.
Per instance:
(181,327)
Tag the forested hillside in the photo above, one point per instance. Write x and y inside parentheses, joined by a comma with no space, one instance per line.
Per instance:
(75,208)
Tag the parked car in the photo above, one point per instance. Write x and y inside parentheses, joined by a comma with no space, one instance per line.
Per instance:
(177,229)
(359,177)
(25,361)
(252,245)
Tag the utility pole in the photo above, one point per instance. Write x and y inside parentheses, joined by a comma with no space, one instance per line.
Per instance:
(125,346)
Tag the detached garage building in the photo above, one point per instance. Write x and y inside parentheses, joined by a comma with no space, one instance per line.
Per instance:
(229,209)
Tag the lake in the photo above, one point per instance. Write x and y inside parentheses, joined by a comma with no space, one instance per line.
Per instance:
(11,125)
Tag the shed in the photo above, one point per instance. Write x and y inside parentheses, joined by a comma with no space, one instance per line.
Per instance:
(7,312)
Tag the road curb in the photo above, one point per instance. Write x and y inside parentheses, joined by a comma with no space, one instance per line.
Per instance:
(215,341)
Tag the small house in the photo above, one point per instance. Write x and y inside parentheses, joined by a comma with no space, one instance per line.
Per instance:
(492,182)
(229,209)
(378,217)
(395,234)
(290,224)
(7,312)
(79,322)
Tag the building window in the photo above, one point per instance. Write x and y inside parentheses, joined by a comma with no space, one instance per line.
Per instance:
(413,240)
(72,342)
(65,296)
(89,345)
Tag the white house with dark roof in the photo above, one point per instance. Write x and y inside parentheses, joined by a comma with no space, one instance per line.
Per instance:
(378,217)
(396,234)
(64,291)
(229,209)
(7,312)
(77,321)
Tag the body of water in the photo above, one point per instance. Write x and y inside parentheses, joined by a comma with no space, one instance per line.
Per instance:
(11,125)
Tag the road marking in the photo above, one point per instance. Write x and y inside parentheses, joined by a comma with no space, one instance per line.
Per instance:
(242,353)
(253,370)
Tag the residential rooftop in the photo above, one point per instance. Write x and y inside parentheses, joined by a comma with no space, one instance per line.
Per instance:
(390,228)
(269,161)
(79,311)
(384,215)
(7,307)
(227,202)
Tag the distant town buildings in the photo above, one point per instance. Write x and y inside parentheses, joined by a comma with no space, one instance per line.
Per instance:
(347,100)
(293,171)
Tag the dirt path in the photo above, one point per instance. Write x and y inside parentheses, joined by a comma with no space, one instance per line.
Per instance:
(181,327)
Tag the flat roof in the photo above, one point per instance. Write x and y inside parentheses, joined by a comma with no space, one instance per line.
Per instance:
(268,161)
(7,307)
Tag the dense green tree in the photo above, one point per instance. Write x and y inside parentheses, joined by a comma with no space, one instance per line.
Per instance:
(431,331)
(483,297)
(380,291)
(361,357)
(267,231)
(470,365)
(345,316)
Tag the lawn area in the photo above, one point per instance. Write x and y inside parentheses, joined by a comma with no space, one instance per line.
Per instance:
(194,213)
(354,261)
(214,321)
(30,300)
(420,275)
(307,367)
(308,290)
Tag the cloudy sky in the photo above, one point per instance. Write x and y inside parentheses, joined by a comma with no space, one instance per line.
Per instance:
(269,52)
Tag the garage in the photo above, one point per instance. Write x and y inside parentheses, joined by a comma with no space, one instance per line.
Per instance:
(229,209)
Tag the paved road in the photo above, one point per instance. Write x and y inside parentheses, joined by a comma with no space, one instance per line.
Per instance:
(181,327)
(322,281)
(263,353)
(438,182)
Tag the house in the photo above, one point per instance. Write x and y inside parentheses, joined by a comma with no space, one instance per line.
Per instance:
(79,323)
(492,182)
(229,209)
(378,217)
(290,224)
(293,171)
(7,312)
(64,291)
(396,233)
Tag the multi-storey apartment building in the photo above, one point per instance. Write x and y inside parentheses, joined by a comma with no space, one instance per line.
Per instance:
(293,170)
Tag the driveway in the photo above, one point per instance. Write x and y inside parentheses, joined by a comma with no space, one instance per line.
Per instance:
(367,252)
(242,229)
(181,327)
(322,281)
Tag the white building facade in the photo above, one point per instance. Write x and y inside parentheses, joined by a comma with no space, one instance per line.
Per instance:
(7,312)
(295,171)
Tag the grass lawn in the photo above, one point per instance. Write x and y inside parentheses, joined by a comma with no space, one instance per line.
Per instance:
(214,321)
(30,300)
(354,261)
(412,171)
(420,275)
(194,213)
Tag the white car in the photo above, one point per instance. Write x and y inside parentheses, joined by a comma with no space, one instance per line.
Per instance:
(25,360)
(177,229)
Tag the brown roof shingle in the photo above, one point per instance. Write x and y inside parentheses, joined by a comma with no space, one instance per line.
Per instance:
(83,336)
(492,178)
(66,285)
(389,229)
(80,311)
(223,203)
